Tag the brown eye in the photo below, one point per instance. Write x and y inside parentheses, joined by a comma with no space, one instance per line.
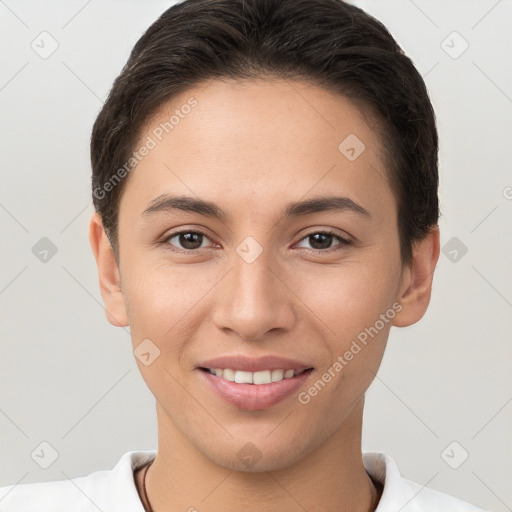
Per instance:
(321,241)
(187,240)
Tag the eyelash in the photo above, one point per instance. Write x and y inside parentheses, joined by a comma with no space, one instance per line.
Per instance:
(342,241)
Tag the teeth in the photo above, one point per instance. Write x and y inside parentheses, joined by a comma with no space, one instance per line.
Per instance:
(263,377)
(243,377)
(228,375)
(277,375)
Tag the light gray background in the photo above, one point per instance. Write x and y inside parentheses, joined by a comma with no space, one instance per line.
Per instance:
(69,378)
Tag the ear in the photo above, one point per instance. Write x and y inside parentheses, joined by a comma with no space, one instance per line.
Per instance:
(416,284)
(108,274)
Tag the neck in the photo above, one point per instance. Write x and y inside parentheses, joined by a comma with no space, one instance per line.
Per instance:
(331,478)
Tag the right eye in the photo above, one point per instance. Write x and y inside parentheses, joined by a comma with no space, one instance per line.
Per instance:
(190,240)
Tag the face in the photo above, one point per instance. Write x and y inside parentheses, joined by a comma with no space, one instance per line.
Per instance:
(264,276)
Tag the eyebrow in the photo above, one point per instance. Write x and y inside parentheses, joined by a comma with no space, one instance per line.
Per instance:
(167,203)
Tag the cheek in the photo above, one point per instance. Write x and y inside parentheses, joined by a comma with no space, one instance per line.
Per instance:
(164,306)
(356,312)
(161,299)
(348,298)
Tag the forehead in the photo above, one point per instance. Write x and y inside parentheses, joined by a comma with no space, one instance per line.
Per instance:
(267,140)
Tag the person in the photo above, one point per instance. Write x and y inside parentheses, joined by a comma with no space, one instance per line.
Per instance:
(264,175)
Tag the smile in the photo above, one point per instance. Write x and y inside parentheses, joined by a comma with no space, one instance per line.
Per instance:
(257,378)
(253,391)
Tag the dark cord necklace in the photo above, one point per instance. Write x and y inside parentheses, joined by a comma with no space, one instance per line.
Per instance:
(145,499)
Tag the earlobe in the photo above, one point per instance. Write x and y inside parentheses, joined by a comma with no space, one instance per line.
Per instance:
(414,295)
(108,274)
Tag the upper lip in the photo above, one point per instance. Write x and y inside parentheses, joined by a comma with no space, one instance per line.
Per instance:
(254,364)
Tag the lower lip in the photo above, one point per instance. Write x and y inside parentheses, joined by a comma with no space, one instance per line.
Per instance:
(253,397)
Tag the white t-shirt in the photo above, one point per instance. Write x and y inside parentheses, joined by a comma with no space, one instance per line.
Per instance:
(115,491)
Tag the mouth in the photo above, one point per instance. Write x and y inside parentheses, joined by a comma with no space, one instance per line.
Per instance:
(253,384)
(258,378)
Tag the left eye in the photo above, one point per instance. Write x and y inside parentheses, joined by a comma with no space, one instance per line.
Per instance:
(321,240)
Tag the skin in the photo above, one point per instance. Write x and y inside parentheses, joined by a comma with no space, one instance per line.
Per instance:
(251,148)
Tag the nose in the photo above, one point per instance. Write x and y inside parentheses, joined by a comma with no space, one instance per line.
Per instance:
(252,300)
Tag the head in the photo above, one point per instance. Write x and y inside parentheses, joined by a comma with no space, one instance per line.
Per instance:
(237,122)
